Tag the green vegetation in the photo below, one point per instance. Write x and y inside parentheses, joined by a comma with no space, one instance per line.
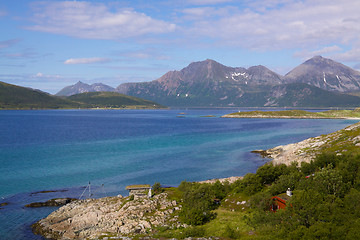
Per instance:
(157,188)
(111,100)
(325,202)
(297,114)
(15,97)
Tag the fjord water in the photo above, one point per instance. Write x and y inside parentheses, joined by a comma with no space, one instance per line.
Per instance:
(61,151)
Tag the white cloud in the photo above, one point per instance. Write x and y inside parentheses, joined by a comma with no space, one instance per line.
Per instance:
(307,24)
(86,60)
(207,2)
(147,53)
(94,21)
(328,50)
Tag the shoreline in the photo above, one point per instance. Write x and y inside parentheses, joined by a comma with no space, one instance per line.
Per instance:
(298,114)
(306,150)
(290,117)
(99,213)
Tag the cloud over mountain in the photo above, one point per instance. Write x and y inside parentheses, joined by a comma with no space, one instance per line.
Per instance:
(287,24)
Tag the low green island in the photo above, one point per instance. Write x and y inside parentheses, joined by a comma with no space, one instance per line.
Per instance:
(298,114)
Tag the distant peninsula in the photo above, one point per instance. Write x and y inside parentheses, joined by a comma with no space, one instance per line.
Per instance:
(298,114)
(14,97)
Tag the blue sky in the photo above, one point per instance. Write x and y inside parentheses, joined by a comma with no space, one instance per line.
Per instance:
(48,45)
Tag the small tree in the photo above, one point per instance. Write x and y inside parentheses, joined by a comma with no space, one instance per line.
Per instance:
(198,201)
(157,188)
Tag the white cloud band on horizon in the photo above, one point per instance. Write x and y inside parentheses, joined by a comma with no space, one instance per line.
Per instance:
(86,60)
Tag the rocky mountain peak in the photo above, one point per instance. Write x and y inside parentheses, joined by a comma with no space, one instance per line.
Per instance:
(326,74)
(80,83)
(81,87)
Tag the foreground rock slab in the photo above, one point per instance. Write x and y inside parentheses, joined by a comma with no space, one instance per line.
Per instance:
(109,216)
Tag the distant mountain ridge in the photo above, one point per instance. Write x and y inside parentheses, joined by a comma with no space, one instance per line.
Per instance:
(206,83)
(81,87)
(16,97)
(211,84)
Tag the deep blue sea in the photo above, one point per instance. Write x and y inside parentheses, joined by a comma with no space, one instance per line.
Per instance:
(63,150)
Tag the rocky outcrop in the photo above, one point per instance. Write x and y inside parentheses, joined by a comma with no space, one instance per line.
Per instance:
(109,216)
(306,150)
(222,180)
(56,202)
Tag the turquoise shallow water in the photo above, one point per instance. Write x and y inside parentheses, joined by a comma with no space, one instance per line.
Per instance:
(65,149)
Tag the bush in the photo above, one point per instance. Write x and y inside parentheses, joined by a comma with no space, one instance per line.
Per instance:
(250,184)
(198,201)
(284,182)
(269,172)
(157,188)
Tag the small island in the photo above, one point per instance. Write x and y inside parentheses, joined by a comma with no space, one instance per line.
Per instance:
(298,114)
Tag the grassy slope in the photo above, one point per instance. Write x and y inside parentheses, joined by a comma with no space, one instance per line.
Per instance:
(112,99)
(297,114)
(15,97)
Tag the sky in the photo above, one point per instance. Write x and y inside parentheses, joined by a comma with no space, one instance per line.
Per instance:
(51,44)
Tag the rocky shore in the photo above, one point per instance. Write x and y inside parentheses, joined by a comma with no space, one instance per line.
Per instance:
(113,217)
(222,180)
(56,202)
(306,150)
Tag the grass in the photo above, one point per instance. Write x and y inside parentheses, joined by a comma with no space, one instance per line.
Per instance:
(297,114)
(173,193)
(343,141)
(228,224)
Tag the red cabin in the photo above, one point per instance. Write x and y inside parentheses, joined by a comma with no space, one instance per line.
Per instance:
(280,201)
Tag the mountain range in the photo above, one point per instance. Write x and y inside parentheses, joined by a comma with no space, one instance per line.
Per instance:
(16,97)
(318,82)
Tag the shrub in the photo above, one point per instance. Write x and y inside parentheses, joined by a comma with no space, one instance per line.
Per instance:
(250,184)
(198,201)
(157,188)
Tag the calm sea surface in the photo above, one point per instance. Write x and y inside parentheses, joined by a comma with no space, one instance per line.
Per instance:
(63,150)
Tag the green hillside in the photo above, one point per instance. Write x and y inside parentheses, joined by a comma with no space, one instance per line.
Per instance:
(111,100)
(15,97)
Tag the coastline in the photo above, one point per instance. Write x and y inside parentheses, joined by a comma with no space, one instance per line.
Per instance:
(306,150)
(117,216)
(288,117)
(298,114)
